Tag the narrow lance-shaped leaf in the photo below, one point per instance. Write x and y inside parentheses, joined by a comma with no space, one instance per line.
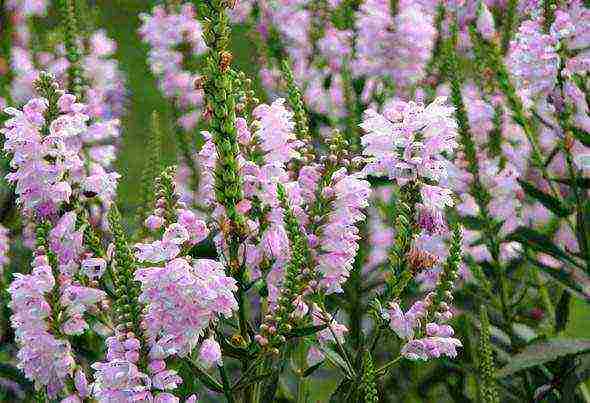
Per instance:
(557,207)
(543,352)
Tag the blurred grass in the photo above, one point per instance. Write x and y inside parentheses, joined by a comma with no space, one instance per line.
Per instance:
(121,20)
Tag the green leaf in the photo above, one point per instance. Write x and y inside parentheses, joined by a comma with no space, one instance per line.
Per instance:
(377,181)
(540,243)
(472,222)
(341,391)
(572,380)
(542,352)
(247,381)
(562,311)
(582,135)
(580,182)
(270,388)
(207,380)
(336,360)
(313,368)
(569,278)
(554,205)
(306,331)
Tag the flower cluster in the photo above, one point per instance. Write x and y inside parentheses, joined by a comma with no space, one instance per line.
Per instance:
(438,340)
(46,156)
(45,356)
(175,36)
(198,292)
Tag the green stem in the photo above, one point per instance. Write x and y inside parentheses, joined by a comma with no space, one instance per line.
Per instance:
(385,369)
(226,384)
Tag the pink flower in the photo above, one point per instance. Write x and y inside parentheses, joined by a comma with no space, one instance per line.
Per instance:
(275,132)
(210,352)
(534,61)
(314,356)
(338,242)
(407,141)
(199,293)
(154,222)
(197,228)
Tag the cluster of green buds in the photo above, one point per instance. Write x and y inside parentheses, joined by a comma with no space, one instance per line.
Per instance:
(439,301)
(487,380)
(151,170)
(401,272)
(245,94)
(167,198)
(295,99)
(339,154)
(291,308)
(126,289)
(220,99)
(48,88)
(76,80)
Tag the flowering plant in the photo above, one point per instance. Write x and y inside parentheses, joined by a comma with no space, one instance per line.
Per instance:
(379,212)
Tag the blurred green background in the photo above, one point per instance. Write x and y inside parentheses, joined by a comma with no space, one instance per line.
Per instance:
(121,20)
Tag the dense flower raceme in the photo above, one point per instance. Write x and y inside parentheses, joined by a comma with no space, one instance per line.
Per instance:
(104,91)
(175,36)
(198,292)
(380,46)
(534,61)
(119,379)
(45,355)
(407,143)
(49,168)
(98,142)
(551,88)
(335,241)
(182,298)
(394,47)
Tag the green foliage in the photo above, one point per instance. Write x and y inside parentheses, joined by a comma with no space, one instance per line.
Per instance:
(557,207)
(543,351)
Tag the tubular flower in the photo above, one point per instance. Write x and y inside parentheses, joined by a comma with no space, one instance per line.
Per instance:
(198,293)
(408,140)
